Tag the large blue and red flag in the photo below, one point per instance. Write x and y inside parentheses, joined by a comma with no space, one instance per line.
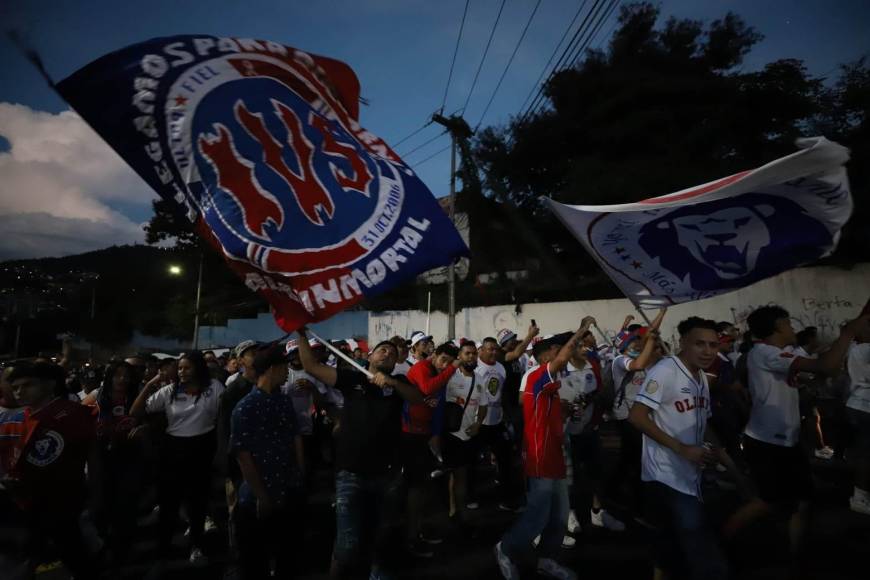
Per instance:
(723,235)
(259,145)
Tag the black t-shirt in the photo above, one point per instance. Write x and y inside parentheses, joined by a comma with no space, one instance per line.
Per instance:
(514,372)
(371,423)
(234,393)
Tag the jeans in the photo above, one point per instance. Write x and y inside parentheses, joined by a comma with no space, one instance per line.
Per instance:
(546,514)
(685,540)
(359,510)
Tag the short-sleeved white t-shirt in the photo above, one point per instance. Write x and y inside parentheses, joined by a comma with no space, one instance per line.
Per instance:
(775,417)
(681,407)
(491,379)
(303,398)
(621,406)
(458,388)
(858,366)
(575,387)
(187,417)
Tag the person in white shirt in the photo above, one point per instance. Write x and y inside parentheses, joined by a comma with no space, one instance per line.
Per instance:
(639,351)
(422,347)
(771,447)
(404,365)
(491,375)
(191,406)
(858,410)
(671,411)
(460,446)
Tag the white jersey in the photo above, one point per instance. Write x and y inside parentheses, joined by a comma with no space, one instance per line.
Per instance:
(623,402)
(681,407)
(187,417)
(575,387)
(858,366)
(491,378)
(401,368)
(458,389)
(775,417)
(302,397)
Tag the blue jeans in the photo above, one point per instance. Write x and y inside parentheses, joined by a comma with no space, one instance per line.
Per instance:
(359,510)
(685,540)
(546,514)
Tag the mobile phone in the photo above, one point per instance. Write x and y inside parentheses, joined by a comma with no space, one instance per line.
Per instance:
(534,323)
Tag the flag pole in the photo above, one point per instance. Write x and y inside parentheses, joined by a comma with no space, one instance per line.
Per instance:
(337,352)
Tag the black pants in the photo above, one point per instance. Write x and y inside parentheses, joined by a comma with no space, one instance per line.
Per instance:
(261,540)
(123,473)
(497,439)
(585,459)
(63,529)
(185,478)
(627,473)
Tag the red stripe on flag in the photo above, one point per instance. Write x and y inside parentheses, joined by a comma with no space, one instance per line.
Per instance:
(704,189)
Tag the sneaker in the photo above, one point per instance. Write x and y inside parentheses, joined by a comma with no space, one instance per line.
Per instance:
(824,453)
(430,539)
(604,520)
(552,569)
(210,526)
(506,507)
(859,505)
(187,532)
(537,540)
(197,558)
(472,505)
(573,523)
(507,568)
(419,549)
(568,542)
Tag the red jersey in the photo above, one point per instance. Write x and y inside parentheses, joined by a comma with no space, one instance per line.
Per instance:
(544,433)
(54,450)
(423,375)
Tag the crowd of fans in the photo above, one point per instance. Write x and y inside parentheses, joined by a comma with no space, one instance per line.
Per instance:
(86,450)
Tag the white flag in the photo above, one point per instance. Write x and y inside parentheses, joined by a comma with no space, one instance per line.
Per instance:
(723,235)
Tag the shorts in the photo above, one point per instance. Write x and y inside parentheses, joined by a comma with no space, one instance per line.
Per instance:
(458,453)
(416,457)
(860,422)
(782,474)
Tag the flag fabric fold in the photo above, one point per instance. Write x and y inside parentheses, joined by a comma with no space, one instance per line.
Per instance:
(720,236)
(259,145)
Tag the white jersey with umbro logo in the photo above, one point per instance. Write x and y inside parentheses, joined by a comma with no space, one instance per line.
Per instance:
(681,407)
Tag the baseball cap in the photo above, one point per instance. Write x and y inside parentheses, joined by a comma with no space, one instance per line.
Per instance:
(631,336)
(418,336)
(504,336)
(243,346)
(293,345)
(268,355)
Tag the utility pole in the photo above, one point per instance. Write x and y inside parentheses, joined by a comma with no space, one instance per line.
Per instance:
(195,345)
(459,129)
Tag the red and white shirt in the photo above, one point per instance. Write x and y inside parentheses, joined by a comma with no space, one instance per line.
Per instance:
(544,433)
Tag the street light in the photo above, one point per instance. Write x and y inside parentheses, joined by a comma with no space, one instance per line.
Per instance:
(175,270)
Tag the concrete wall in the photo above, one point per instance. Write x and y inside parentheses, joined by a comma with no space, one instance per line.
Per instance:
(823,297)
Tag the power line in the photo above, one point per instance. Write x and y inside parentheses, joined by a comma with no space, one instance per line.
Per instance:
(553,55)
(485,52)
(433,156)
(575,47)
(455,51)
(562,59)
(403,139)
(508,65)
(420,146)
(609,32)
(607,13)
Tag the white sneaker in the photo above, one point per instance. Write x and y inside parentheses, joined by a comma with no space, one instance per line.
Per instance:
(573,523)
(553,569)
(472,505)
(210,526)
(568,542)
(824,453)
(604,520)
(859,505)
(197,558)
(507,568)
(537,540)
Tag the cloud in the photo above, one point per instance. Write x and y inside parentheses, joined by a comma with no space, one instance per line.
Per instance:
(58,182)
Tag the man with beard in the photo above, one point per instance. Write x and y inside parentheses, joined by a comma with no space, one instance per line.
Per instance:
(366,445)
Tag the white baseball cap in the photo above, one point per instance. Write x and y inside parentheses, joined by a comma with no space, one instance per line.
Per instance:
(418,336)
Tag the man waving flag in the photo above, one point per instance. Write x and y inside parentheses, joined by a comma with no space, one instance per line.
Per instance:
(720,236)
(260,147)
